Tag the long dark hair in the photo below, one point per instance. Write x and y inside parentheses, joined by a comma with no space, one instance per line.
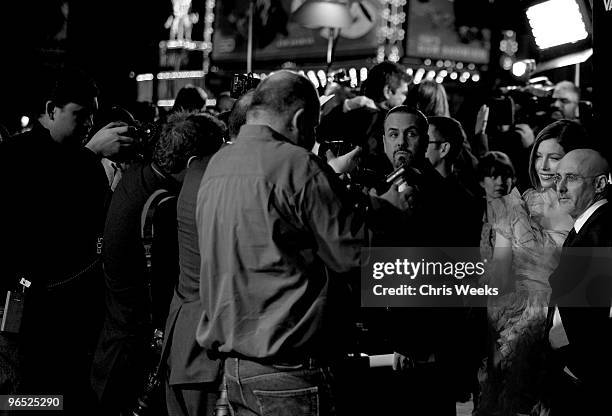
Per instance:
(568,133)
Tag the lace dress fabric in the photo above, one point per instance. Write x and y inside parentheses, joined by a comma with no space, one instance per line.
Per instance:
(536,230)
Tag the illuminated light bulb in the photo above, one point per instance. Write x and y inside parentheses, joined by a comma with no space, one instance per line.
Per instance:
(419,75)
(313,78)
(453,75)
(363,74)
(519,68)
(322,77)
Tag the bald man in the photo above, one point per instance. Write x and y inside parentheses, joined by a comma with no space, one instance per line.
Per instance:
(580,334)
(274,233)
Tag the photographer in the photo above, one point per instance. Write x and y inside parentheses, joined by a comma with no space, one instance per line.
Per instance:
(56,193)
(137,299)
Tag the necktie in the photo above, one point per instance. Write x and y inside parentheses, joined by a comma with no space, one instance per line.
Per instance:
(569,240)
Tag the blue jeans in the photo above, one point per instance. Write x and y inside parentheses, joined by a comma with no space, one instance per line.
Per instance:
(278,390)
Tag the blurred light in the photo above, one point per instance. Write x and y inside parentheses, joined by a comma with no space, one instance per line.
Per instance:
(448,63)
(363,74)
(419,75)
(439,64)
(439,80)
(144,77)
(519,68)
(322,77)
(410,71)
(465,75)
(453,75)
(25,120)
(475,77)
(353,77)
(431,75)
(459,65)
(462,79)
(471,67)
(427,62)
(507,63)
(165,103)
(180,75)
(313,78)
(556,22)
(301,72)
(443,73)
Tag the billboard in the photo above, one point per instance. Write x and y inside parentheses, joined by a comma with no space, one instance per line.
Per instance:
(433,32)
(277,36)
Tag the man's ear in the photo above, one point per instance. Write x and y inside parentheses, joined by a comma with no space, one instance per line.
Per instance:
(601,182)
(49,109)
(297,119)
(387,92)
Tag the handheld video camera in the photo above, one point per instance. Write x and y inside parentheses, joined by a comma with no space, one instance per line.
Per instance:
(241,84)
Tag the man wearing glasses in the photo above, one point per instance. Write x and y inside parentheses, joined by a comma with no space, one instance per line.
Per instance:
(565,99)
(580,334)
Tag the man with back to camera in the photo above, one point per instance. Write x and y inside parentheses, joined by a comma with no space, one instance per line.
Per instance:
(192,381)
(581,335)
(274,233)
(137,300)
(57,190)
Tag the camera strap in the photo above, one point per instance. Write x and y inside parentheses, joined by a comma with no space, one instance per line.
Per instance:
(147,229)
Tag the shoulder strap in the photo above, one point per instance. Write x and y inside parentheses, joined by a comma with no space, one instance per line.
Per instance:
(147,231)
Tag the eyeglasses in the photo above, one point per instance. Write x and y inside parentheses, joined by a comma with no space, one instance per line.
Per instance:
(572,178)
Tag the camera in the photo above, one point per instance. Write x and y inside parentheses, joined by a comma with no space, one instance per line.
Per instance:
(337,147)
(241,84)
(531,104)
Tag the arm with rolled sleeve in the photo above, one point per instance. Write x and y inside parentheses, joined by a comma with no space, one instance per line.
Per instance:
(337,227)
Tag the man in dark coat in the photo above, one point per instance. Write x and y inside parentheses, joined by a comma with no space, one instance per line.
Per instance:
(192,377)
(132,310)
(54,203)
(581,334)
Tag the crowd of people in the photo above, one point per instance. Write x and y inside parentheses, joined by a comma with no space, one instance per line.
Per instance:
(162,266)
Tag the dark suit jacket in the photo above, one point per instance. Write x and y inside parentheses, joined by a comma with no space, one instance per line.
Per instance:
(119,362)
(589,352)
(187,361)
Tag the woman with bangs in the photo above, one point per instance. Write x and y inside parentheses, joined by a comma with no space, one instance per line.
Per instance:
(529,231)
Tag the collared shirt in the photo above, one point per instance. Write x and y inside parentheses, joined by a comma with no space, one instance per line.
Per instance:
(271,227)
(584,217)
(557,335)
